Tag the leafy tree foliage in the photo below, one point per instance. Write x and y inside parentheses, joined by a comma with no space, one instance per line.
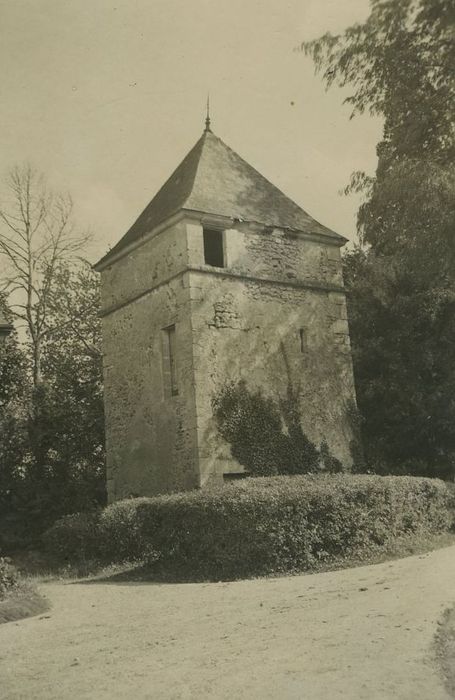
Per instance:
(400,66)
(14,396)
(52,444)
(72,367)
(401,280)
(13,366)
(51,417)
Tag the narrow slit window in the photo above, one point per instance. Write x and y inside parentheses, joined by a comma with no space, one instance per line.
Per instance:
(213,247)
(302,339)
(170,365)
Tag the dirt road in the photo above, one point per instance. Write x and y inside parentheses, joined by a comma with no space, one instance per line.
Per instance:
(354,634)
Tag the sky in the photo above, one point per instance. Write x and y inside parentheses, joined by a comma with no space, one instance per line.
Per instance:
(106,97)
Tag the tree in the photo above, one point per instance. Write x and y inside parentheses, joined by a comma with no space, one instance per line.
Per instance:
(72,368)
(37,234)
(66,432)
(400,63)
(14,396)
(13,365)
(52,426)
(52,457)
(401,281)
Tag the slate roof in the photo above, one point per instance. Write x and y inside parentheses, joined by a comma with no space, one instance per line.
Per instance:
(213,179)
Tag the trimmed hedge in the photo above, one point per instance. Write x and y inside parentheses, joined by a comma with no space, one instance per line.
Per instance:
(74,538)
(109,536)
(263,525)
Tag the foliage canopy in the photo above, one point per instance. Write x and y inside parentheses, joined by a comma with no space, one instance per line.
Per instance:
(400,64)
(52,434)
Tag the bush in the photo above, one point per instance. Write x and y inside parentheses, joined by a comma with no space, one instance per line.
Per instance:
(9,578)
(120,532)
(75,538)
(108,536)
(274,524)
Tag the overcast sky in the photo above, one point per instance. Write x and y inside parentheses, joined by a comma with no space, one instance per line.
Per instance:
(106,97)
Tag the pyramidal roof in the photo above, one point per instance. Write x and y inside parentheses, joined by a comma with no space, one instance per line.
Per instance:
(213,179)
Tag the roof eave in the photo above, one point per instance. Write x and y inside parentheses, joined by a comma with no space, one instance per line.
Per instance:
(330,237)
(116,253)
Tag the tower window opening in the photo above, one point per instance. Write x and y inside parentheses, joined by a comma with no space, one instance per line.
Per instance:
(302,339)
(169,358)
(213,247)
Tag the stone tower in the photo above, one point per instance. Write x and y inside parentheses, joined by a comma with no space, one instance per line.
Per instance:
(221,277)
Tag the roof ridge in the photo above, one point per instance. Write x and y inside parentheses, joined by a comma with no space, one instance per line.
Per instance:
(181,165)
(200,142)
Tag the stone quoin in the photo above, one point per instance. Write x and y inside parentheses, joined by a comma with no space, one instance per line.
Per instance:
(221,278)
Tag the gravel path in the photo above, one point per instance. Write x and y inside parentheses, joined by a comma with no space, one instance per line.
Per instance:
(358,633)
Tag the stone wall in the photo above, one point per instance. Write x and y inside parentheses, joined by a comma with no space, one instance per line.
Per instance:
(161,257)
(274,316)
(272,337)
(150,433)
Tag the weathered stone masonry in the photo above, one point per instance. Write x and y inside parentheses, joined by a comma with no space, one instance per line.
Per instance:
(273,314)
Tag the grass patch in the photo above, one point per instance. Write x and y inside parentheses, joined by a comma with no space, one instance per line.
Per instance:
(18,598)
(38,566)
(23,601)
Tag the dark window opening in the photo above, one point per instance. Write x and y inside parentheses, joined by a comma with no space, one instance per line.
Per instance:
(213,247)
(302,340)
(170,365)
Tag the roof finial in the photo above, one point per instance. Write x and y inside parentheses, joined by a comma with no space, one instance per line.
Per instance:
(207,119)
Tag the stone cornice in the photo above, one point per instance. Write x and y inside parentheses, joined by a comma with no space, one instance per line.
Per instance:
(312,285)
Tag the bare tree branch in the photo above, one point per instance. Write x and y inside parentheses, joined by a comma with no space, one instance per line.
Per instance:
(37,235)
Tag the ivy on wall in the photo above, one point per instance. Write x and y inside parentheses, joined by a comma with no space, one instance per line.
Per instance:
(265,434)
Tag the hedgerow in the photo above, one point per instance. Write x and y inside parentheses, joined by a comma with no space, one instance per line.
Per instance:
(264,525)
(75,538)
